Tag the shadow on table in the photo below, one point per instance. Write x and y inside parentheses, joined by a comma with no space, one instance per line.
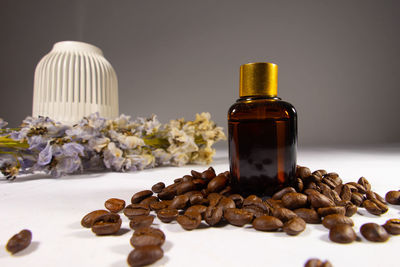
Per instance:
(161,262)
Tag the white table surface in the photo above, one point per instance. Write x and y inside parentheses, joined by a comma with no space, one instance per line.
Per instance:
(52,210)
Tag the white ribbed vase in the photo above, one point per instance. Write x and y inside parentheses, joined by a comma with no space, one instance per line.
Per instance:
(73,81)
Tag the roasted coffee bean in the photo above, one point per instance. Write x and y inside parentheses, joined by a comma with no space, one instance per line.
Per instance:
(267,223)
(238,199)
(238,217)
(294,200)
(373,195)
(331,194)
(322,212)
(294,226)
(275,204)
(329,182)
(360,188)
(208,174)
(351,209)
(315,177)
(280,193)
(178,180)
(303,172)
(250,200)
(107,224)
(357,198)
(135,210)
(352,187)
(160,205)
(87,220)
(334,219)
(226,191)
(322,172)
(364,182)
(139,196)
(393,197)
(320,201)
(283,214)
(147,237)
(392,226)
(299,185)
(198,208)
(190,220)
(318,173)
(167,215)
(345,194)
(141,221)
(143,256)
(167,193)
(317,263)
(217,183)
(311,185)
(196,199)
(187,178)
(199,183)
(148,201)
(213,215)
(185,187)
(158,187)
(323,187)
(372,207)
(179,202)
(226,203)
(308,215)
(310,191)
(214,198)
(342,233)
(19,241)
(115,204)
(374,232)
(255,210)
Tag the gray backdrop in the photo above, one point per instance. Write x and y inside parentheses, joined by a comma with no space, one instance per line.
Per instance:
(339,60)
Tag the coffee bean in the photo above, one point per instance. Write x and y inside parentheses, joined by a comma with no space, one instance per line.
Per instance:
(107,224)
(255,210)
(198,208)
(283,214)
(178,180)
(308,215)
(275,204)
(217,183)
(213,215)
(167,193)
(226,191)
(294,226)
(185,187)
(373,195)
(322,212)
(374,232)
(294,200)
(303,172)
(226,203)
(329,182)
(141,221)
(187,178)
(345,194)
(280,193)
(334,219)
(364,182)
(317,263)
(143,256)
(148,201)
(332,194)
(392,226)
(267,223)
(342,233)
(147,237)
(320,201)
(196,199)
(179,202)
(190,220)
(167,215)
(199,183)
(373,206)
(238,217)
(208,174)
(351,209)
(158,187)
(115,204)
(357,198)
(393,197)
(238,199)
(139,196)
(87,220)
(19,241)
(299,185)
(214,198)
(250,200)
(359,188)
(160,205)
(135,210)
(195,174)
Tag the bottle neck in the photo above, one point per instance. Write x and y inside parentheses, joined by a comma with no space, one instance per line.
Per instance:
(247,98)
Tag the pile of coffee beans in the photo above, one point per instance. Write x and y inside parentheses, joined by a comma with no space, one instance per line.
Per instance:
(317,263)
(207,198)
(19,241)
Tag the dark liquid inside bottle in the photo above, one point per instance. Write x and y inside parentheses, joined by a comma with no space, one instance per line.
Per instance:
(262,145)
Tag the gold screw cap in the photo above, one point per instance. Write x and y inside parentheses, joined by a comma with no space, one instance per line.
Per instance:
(258,79)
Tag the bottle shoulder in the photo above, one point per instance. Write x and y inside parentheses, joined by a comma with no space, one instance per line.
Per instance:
(264,108)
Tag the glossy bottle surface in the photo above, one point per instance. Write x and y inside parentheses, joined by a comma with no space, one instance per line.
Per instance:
(262,144)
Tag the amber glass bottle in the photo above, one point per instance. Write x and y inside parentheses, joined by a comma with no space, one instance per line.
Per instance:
(262,133)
